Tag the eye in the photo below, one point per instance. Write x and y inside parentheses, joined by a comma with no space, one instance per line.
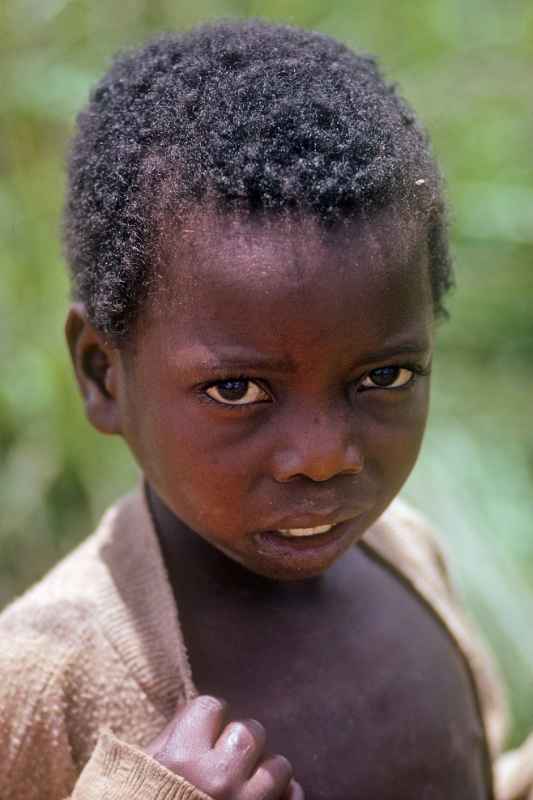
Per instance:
(237,392)
(388,378)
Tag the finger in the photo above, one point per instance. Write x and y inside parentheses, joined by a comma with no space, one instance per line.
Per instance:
(197,724)
(271,779)
(243,743)
(294,792)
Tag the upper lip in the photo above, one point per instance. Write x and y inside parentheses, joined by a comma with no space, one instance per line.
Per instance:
(314,520)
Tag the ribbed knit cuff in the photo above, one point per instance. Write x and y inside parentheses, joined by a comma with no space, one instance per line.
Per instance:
(119,771)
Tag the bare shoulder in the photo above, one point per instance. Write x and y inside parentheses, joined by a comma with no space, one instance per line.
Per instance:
(410,545)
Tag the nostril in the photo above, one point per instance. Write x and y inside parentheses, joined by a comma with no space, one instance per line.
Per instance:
(355,461)
(317,466)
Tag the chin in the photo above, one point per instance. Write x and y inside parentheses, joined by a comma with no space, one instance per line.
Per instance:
(286,574)
(291,570)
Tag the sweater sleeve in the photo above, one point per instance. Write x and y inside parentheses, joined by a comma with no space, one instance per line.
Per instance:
(40,757)
(119,771)
(37,761)
(35,754)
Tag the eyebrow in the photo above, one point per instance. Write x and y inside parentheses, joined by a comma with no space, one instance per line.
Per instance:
(393,351)
(287,366)
(274,365)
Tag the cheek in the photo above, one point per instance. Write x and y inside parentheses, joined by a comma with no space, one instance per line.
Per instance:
(394,436)
(203,474)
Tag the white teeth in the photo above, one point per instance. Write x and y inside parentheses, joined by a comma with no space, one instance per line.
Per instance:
(305,531)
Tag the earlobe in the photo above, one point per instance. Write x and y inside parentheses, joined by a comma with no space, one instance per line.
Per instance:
(96,366)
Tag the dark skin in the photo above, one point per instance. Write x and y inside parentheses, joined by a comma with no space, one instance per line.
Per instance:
(331,672)
(275,394)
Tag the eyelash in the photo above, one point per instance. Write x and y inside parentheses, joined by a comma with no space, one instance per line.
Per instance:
(233,379)
(417,371)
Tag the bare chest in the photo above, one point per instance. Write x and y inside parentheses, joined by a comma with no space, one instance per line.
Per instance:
(355,681)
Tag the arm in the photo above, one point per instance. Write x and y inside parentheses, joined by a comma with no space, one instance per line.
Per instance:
(40,737)
(35,755)
(38,758)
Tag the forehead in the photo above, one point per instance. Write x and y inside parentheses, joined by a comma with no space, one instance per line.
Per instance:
(230,275)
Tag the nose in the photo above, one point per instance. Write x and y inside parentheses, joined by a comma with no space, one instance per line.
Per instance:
(318,448)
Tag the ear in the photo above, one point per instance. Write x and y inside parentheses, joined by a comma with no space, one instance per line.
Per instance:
(97,367)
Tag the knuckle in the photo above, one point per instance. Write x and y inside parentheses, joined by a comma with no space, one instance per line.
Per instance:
(274,776)
(210,704)
(216,786)
(282,767)
(271,780)
(298,793)
(252,728)
(280,771)
(246,735)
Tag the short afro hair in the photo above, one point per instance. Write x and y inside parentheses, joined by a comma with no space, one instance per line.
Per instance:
(245,115)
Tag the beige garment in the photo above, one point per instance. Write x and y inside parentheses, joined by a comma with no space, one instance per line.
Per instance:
(93,664)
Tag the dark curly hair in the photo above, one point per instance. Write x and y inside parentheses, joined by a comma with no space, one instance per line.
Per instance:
(245,115)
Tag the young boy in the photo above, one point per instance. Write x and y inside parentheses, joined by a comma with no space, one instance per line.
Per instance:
(257,239)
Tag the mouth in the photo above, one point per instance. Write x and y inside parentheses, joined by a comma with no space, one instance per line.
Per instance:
(316,538)
(297,533)
(307,545)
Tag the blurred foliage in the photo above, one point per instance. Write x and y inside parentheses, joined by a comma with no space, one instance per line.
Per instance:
(467,69)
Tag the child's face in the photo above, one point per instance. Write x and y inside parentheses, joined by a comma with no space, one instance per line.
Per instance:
(273,384)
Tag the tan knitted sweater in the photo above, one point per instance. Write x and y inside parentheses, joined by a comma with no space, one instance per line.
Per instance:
(87,676)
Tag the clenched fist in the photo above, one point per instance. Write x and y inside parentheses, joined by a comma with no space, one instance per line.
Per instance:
(226,761)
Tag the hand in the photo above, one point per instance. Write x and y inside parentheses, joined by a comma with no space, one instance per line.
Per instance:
(227,762)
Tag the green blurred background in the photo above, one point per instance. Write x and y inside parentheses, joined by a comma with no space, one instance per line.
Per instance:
(467,66)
